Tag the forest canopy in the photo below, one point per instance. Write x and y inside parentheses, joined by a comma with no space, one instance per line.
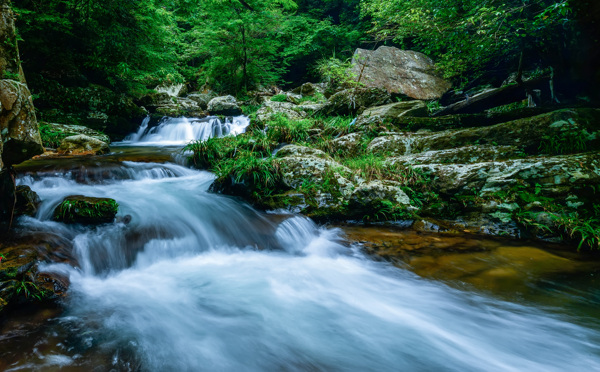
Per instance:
(236,46)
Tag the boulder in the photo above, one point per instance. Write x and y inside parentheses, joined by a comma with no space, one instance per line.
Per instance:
(86,210)
(306,89)
(367,197)
(559,132)
(224,105)
(202,99)
(270,108)
(82,145)
(177,107)
(354,101)
(7,199)
(556,176)
(399,72)
(459,155)
(27,201)
(73,130)
(300,164)
(396,110)
(18,124)
(21,282)
(347,145)
(175,90)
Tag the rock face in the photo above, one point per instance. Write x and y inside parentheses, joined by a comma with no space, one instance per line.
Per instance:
(27,201)
(82,145)
(18,125)
(396,110)
(86,210)
(224,105)
(399,71)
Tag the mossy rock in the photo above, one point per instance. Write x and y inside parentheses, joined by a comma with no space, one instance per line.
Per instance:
(86,210)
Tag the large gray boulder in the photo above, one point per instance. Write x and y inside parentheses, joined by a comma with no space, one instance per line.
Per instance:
(399,71)
(224,105)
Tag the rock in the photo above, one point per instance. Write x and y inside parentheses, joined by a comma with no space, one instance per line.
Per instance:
(86,210)
(558,132)
(82,145)
(202,99)
(378,196)
(348,145)
(18,125)
(300,165)
(310,108)
(27,201)
(177,107)
(7,199)
(73,130)
(460,155)
(399,72)
(224,105)
(395,144)
(392,111)
(21,282)
(175,90)
(556,176)
(354,101)
(306,89)
(271,108)
(10,63)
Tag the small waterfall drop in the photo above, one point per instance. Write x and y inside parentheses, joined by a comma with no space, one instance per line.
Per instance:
(179,131)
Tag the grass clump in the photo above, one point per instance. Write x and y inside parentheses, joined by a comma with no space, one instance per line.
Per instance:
(279,98)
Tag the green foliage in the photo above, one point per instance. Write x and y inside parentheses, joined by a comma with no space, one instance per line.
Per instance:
(337,73)
(569,142)
(464,36)
(279,98)
(258,174)
(26,287)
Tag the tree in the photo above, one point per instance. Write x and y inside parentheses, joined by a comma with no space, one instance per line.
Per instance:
(466,36)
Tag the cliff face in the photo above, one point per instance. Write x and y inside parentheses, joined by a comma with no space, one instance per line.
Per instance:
(19,134)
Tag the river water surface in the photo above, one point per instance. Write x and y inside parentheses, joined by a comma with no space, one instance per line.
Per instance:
(202,282)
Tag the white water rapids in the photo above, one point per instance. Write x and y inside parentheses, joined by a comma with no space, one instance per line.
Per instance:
(201,282)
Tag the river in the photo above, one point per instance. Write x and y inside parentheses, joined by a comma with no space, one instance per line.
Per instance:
(203,282)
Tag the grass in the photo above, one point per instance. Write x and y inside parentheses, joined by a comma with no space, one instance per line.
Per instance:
(74,211)
(279,98)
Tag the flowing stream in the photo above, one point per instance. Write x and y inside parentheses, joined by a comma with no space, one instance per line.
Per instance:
(202,282)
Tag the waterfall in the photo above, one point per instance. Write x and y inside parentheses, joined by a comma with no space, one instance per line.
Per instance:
(179,131)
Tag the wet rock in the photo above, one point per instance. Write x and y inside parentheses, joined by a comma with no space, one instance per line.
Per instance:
(224,105)
(354,101)
(73,130)
(21,281)
(18,124)
(7,199)
(271,108)
(86,210)
(82,145)
(27,201)
(399,72)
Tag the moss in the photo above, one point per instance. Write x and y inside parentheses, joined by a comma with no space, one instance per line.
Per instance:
(86,210)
